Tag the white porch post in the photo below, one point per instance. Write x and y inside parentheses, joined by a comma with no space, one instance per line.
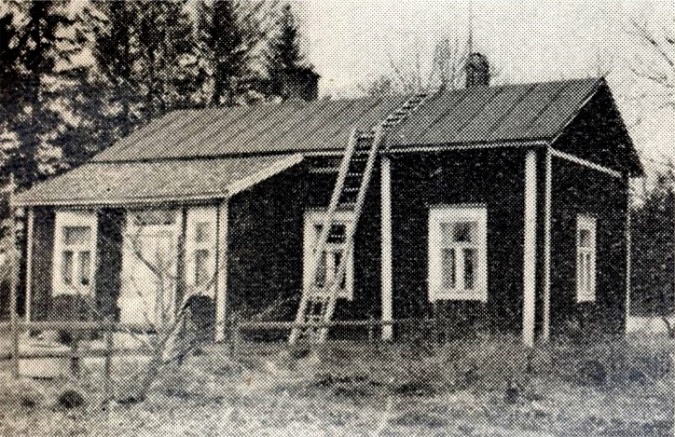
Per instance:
(546,279)
(221,270)
(530,247)
(387,262)
(30,219)
(629,243)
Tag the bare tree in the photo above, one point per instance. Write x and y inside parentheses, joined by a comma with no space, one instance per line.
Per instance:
(445,71)
(656,64)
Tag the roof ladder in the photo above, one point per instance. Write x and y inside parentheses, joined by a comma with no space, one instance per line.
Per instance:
(319,298)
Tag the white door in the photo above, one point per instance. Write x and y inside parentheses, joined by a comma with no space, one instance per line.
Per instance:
(149,269)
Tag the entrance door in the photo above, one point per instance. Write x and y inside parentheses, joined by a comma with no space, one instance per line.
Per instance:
(148,292)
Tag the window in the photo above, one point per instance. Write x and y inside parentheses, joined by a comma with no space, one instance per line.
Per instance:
(331,257)
(585,258)
(458,253)
(74,252)
(200,250)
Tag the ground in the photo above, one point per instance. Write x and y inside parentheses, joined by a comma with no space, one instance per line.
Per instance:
(478,388)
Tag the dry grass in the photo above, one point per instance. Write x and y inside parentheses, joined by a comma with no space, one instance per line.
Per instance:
(461,389)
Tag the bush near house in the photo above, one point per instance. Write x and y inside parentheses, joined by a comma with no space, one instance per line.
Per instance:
(485,387)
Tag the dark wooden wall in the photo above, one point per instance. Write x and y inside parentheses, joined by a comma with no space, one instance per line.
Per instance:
(108,267)
(266,247)
(43,244)
(580,190)
(491,177)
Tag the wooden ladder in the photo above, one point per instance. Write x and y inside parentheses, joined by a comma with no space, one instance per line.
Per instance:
(317,304)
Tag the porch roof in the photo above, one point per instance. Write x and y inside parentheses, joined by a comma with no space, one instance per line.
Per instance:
(180,180)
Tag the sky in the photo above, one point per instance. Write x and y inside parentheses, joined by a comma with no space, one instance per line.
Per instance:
(351,43)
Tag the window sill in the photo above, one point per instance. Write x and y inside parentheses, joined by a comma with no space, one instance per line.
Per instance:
(459,295)
(585,299)
(65,290)
(346,294)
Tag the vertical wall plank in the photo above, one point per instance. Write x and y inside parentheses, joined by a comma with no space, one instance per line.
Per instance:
(221,269)
(387,262)
(530,248)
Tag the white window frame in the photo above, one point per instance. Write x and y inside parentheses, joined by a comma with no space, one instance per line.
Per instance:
(447,214)
(586,259)
(68,219)
(196,217)
(316,217)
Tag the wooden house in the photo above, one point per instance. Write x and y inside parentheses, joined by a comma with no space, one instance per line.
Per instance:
(503,208)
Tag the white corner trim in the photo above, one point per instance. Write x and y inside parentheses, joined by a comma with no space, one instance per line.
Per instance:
(267,172)
(30,218)
(546,277)
(584,162)
(629,244)
(530,248)
(387,257)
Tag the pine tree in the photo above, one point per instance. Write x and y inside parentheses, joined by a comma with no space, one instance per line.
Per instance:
(165,42)
(653,249)
(10,70)
(48,43)
(115,47)
(228,36)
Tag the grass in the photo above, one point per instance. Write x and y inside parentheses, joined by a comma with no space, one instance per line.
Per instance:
(492,387)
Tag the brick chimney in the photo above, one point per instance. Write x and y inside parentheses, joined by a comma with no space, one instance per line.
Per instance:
(477,71)
(298,83)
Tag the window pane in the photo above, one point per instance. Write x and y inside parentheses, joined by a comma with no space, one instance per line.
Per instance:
(585,239)
(448,268)
(447,234)
(581,273)
(589,274)
(202,232)
(85,267)
(465,232)
(337,258)
(201,266)
(154,217)
(67,267)
(320,275)
(470,260)
(337,234)
(317,234)
(76,235)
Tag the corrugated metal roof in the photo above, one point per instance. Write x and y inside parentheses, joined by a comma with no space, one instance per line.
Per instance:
(293,126)
(506,113)
(486,115)
(123,183)
(200,154)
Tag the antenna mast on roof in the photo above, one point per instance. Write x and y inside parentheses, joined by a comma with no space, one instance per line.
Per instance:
(470,44)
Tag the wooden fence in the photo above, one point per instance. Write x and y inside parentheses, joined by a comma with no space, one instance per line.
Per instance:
(235,331)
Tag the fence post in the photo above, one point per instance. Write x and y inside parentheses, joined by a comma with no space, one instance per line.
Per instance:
(108,362)
(15,346)
(74,356)
(234,335)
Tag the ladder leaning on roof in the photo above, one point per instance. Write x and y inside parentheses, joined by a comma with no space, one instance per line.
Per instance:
(317,304)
